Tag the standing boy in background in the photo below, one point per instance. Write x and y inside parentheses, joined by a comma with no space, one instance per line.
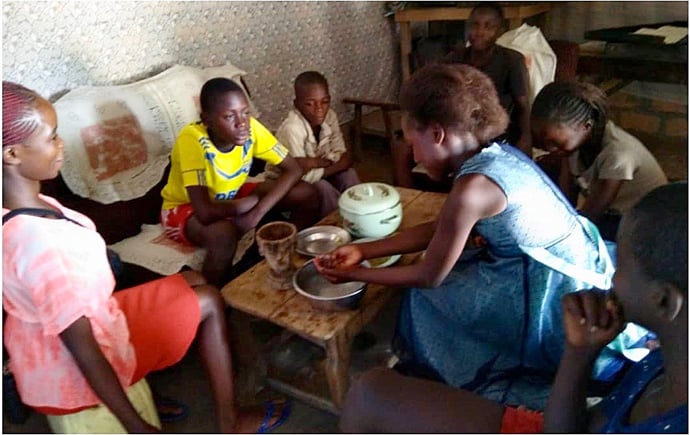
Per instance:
(312,135)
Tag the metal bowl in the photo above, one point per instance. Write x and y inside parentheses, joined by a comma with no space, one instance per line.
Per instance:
(321,239)
(325,295)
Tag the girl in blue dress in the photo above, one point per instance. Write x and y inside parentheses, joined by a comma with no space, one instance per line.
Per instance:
(651,287)
(485,319)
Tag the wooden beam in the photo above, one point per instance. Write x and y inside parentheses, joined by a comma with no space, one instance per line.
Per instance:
(463,13)
(432,14)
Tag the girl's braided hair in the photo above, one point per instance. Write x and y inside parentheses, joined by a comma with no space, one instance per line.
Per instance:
(19,117)
(574,103)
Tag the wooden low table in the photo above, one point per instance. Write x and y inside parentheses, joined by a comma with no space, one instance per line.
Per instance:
(333,331)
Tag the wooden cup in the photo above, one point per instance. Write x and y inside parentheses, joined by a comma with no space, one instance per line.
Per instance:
(276,242)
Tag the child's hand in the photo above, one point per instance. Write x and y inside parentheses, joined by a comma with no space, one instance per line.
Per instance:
(336,264)
(343,257)
(321,162)
(591,318)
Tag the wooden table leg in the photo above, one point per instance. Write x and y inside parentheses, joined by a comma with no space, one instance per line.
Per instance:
(405,49)
(358,132)
(250,371)
(388,125)
(337,367)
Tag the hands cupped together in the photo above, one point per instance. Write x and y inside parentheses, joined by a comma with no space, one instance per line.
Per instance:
(337,266)
(591,318)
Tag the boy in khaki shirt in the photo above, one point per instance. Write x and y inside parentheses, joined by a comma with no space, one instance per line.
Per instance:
(312,135)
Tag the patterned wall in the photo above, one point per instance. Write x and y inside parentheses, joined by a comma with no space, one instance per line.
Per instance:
(55,46)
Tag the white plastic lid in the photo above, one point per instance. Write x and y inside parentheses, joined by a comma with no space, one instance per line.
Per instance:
(367,198)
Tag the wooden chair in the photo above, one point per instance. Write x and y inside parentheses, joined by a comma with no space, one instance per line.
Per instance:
(388,110)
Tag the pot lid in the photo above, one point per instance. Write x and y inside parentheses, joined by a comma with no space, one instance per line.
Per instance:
(366,198)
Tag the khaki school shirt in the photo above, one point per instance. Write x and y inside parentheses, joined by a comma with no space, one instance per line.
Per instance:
(296,134)
(623,157)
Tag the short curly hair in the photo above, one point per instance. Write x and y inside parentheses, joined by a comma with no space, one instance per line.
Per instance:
(456,96)
(214,89)
(307,78)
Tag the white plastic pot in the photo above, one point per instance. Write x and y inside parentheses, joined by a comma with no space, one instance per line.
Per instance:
(370,209)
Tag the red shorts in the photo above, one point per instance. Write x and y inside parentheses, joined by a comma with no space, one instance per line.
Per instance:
(522,420)
(174,220)
(162,317)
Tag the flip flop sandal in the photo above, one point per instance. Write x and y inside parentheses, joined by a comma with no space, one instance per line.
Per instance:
(171,410)
(270,407)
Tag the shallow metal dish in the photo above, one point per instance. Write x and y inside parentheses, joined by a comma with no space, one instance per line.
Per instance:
(321,239)
(325,295)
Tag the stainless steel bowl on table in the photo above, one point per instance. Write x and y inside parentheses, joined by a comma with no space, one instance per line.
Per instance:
(325,295)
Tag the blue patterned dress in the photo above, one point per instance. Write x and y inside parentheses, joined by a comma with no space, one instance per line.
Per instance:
(498,312)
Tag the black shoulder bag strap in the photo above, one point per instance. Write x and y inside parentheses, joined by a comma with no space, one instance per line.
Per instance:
(40,212)
(113,257)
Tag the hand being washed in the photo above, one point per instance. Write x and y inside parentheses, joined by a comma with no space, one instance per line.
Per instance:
(337,264)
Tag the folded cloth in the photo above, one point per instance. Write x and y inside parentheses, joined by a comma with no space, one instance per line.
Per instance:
(118,138)
(152,249)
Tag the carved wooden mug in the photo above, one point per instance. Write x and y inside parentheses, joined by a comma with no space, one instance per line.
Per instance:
(276,242)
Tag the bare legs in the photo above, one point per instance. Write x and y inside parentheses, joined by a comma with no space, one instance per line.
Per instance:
(330,189)
(221,237)
(382,400)
(344,179)
(215,352)
(220,240)
(214,349)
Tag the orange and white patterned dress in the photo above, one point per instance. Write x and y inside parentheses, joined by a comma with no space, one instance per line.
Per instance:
(54,273)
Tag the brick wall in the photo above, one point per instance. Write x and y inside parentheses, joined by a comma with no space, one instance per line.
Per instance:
(661,125)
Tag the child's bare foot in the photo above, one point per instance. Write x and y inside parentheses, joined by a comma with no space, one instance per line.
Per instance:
(262,419)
